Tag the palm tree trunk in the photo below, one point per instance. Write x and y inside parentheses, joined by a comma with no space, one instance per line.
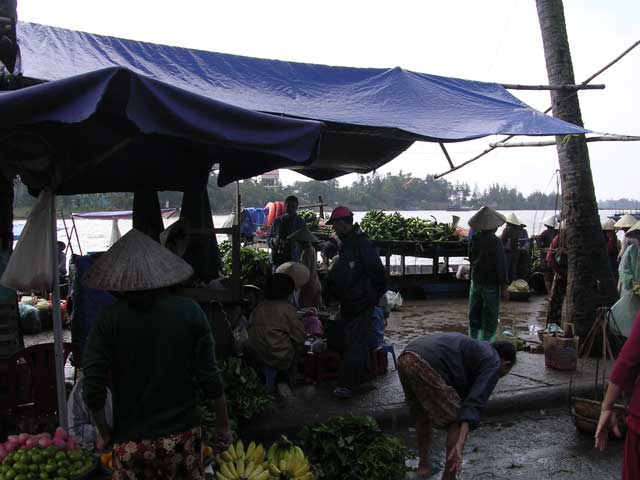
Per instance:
(590,282)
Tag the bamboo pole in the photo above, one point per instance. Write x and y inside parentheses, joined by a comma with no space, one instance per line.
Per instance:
(58,347)
(513,86)
(509,137)
(547,143)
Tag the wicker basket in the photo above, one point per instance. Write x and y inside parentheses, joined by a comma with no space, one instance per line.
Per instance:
(560,353)
(586,413)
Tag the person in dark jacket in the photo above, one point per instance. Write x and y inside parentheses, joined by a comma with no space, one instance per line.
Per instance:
(510,242)
(447,379)
(488,274)
(283,248)
(544,242)
(357,280)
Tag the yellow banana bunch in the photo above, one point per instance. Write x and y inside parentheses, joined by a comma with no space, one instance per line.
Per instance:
(255,453)
(242,469)
(292,466)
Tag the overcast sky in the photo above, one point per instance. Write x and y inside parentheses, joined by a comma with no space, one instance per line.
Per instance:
(490,40)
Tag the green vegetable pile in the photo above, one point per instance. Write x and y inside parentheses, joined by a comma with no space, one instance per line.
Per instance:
(255,264)
(310,219)
(384,226)
(354,448)
(245,393)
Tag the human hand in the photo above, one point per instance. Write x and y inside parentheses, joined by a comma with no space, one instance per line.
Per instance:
(224,437)
(103,441)
(608,421)
(454,459)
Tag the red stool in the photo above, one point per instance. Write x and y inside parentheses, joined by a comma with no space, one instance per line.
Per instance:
(322,366)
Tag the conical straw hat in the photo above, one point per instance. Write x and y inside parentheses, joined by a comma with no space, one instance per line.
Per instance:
(298,272)
(634,231)
(513,220)
(134,263)
(608,225)
(486,219)
(551,221)
(626,221)
(303,235)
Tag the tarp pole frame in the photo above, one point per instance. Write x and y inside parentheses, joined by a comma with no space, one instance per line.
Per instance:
(58,347)
(490,148)
(548,143)
(446,154)
(513,86)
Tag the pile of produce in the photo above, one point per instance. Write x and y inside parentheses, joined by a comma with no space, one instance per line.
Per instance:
(354,448)
(255,264)
(26,457)
(246,395)
(310,219)
(636,288)
(283,461)
(393,226)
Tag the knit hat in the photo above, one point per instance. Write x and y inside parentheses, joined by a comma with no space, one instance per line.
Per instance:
(486,219)
(136,262)
(303,235)
(608,225)
(513,220)
(298,272)
(338,213)
(626,221)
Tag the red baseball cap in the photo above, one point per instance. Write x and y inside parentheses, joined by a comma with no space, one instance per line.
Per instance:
(338,213)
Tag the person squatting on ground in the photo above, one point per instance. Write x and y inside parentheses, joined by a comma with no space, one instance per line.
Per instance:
(447,379)
(276,334)
(488,274)
(624,376)
(357,281)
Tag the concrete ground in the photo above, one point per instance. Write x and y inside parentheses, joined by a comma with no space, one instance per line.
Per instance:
(530,386)
(533,444)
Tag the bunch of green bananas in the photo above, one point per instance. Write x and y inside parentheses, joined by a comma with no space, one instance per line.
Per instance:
(234,463)
(373,224)
(418,229)
(288,462)
(310,219)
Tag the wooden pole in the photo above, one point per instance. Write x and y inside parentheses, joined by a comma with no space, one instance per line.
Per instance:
(513,86)
(57,322)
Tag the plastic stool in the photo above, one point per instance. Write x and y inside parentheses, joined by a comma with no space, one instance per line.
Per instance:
(387,348)
(270,375)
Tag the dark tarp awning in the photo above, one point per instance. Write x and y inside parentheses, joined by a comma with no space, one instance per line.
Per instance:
(372,115)
(113,130)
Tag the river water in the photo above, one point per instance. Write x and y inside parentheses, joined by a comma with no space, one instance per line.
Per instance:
(94,235)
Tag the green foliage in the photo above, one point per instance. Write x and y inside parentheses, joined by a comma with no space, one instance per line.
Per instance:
(353,448)
(382,226)
(245,393)
(310,219)
(255,264)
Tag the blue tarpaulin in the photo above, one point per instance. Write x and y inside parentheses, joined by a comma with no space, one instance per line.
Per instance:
(113,130)
(372,114)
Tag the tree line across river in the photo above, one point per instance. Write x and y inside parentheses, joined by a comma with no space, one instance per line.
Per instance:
(400,191)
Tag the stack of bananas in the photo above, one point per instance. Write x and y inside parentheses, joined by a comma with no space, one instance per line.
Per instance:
(236,464)
(289,464)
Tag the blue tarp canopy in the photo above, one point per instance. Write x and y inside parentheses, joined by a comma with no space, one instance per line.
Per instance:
(372,115)
(113,130)
(17,230)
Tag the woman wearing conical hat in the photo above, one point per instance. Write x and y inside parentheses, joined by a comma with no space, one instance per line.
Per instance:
(488,274)
(613,245)
(626,309)
(510,237)
(624,223)
(311,291)
(160,352)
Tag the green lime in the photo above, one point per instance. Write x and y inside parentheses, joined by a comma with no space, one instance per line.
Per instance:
(44,476)
(60,456)
(21,476)
(51,468)
(37,458)
(11,474)
(19,467)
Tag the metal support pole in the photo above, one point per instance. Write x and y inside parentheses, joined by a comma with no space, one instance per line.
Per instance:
(57,321)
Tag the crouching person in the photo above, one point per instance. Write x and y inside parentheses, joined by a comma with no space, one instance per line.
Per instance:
(447,379)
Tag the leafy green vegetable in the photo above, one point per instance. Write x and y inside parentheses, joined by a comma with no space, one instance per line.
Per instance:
(245,393)
(383,226)
(353,448)
(310,219)
(255,264)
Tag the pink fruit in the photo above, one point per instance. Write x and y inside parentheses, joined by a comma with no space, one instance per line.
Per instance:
(45,442)
(11,446)
(60,444)
(31,442)
(12,438)
(23,437)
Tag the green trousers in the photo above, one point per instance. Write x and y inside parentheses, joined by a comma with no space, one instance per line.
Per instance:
(484,308)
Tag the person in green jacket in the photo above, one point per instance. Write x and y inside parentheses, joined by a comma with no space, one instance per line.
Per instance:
(626,309)
(488,274)
(160,353)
